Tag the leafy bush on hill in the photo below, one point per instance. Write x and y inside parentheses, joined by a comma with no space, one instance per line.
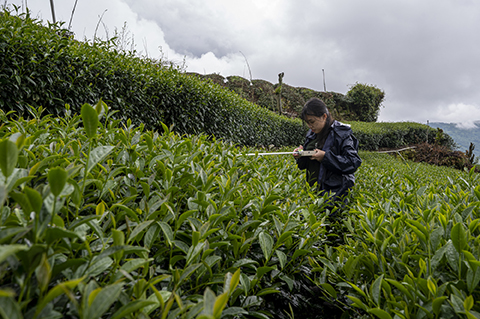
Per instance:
(365,101)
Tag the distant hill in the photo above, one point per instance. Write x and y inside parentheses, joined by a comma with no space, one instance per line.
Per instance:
(462,136)
(266,94)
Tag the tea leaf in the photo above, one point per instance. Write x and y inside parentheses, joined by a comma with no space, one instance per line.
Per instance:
(118,240)
(130,266)
(188,272)
(57,178)
(55,233)
(43,273)
(350,266)
(141,227)
(100,209)
(193,252)
(263,270)
(98,155)
(358,290)
(459,237)
(282,258)
(8,157)
(131,307)
(432,287)
(243,262)
(34,198)
(90,120)
(234,281)
(267,291)
(234,311)
(357,303)
(8,250)
(452,255)
(376,289)
(167,232)
(9,308)
(382,314)
(473,279)
(219,305)
(151,235)
(457,303)
(103,300)
(437,304)
(300,252)
(266,243)
(331,291)
(3,195)
(468,303)
(57,291)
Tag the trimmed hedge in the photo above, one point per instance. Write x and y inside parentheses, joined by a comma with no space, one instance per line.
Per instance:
(45,66)
(374,136)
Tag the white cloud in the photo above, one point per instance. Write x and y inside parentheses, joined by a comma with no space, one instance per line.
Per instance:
(465,115)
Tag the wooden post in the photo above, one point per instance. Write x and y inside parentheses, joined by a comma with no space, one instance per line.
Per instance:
(279,90)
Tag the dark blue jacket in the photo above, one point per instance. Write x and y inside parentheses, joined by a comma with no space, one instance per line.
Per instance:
(336,171)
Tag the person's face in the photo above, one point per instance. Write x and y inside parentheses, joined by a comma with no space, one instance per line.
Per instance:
(315,123)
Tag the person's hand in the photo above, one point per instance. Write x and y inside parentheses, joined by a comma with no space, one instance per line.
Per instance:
(318,156)
(296,151)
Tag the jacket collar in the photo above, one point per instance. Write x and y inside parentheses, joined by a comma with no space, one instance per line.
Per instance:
(341,129)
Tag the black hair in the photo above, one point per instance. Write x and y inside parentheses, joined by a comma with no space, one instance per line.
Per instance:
(316,107)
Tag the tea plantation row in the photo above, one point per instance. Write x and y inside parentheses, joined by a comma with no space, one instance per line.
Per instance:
(99,221)
(103,221)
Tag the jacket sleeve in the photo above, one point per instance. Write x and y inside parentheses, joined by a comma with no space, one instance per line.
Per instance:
(347,161)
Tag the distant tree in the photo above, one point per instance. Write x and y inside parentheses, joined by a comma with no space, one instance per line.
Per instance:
(365,101)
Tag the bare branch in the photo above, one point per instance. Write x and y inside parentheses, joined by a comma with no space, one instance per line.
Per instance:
(98,24)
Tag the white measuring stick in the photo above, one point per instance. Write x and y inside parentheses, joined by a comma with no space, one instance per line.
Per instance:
(301,153)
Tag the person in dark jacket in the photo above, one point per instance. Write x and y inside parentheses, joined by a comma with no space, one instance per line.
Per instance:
(336,159)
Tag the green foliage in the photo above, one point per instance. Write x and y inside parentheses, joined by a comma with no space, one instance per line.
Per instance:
(131,223)
(100,219)
(365,101)
(373,136)
(412,243)
(45,67)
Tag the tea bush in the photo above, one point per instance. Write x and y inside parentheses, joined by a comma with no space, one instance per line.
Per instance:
(100,219)
(374,136)
(44,66)
(104,219)
(411,245)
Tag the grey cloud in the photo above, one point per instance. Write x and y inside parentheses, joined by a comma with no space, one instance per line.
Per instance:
(423,54)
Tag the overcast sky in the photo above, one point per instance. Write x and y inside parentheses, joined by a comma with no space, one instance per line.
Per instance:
(425,54)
